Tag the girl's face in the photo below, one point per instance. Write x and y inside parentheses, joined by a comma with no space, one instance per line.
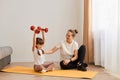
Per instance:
(39,46)
(69,37)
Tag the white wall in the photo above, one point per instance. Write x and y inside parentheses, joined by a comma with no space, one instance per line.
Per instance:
(16,16)
(79,37)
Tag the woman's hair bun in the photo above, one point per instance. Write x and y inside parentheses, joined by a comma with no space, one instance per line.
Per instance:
(76,31)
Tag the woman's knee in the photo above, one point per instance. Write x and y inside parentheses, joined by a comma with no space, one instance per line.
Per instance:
(83,47)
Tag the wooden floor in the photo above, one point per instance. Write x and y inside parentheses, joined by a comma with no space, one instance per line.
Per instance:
(102,75)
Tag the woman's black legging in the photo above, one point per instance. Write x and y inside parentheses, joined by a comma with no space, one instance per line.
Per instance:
(81,56)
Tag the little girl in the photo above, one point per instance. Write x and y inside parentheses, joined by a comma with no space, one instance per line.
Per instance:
(38,52)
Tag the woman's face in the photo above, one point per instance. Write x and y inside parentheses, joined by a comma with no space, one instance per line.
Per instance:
(69,37)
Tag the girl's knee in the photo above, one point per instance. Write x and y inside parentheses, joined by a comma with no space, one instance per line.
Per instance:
(37,68)
(52,64)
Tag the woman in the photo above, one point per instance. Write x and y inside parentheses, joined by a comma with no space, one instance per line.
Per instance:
(71,57)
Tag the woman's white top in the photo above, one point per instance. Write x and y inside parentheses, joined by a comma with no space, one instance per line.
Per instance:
(38,59)
(66,49)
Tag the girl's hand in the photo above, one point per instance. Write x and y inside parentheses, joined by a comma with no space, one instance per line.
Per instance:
(66,61)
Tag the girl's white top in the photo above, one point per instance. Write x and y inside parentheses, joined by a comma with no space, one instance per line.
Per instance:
(38,59)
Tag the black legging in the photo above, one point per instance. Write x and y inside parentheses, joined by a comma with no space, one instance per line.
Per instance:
(81,56)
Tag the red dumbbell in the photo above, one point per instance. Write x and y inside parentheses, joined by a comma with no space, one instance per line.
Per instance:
(32,28)
(46,30)
(37,31)
(39,28)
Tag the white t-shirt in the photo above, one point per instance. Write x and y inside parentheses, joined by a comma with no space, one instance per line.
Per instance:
(38,59)
(66,49)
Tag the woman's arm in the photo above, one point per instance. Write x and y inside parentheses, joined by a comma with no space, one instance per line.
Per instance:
(75,56)
(34,41)
(52,50)
(66,61)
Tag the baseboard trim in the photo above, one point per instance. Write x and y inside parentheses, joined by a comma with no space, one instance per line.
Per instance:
(113,74)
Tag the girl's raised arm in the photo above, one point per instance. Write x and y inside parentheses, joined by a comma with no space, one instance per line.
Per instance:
(34,41)
(43,36)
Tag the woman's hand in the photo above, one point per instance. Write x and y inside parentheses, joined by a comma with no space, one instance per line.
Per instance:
(66,61)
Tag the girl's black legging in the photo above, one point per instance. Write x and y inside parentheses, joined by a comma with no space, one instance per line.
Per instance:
(81,56)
